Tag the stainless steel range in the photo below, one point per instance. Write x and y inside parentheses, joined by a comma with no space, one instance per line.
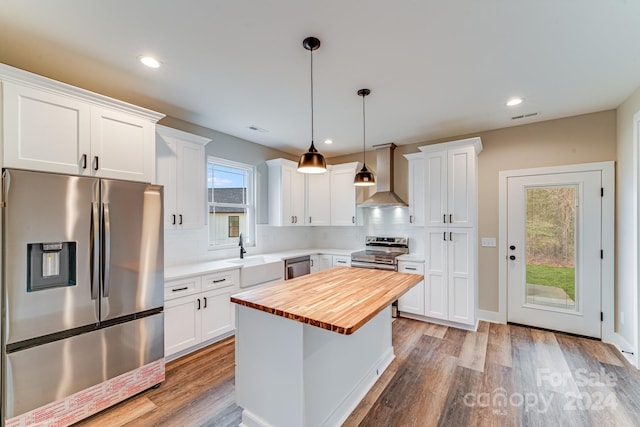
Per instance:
(381,253)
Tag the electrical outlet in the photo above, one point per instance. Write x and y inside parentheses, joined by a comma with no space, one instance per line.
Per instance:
(489,242)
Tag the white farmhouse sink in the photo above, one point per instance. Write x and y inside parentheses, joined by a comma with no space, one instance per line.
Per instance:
(259,270)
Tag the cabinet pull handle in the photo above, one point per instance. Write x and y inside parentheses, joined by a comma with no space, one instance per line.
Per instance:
(180,219)
(179,289)
(296,217)
(219,280)
(205,302)
(444,218)
(353,219)
(342,262)
(410,268)
(444,236)
(291,219)
(173,221)
(84,161)
(198,303)
(309,220)
(410,219)
(95,163)
(311,262)
(450,236)
(450,219)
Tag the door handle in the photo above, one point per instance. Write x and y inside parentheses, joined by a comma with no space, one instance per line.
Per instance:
(512,257)
(106,256)
(95,250)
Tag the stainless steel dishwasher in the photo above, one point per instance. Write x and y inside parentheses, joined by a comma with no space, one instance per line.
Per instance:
(296,267)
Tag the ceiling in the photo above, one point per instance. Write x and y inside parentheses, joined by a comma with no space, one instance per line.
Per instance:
(435,68)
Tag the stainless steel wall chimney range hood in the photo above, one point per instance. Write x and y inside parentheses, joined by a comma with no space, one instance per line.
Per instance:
(385,196)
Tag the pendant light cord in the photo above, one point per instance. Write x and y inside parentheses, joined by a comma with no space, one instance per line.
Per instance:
(311,50)
(364,135)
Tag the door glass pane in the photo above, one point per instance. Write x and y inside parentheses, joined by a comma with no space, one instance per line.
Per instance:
(551,247)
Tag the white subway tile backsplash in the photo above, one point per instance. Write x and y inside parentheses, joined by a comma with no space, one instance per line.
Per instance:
(188,246)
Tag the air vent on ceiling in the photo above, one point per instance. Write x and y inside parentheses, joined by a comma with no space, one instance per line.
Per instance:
(523,116)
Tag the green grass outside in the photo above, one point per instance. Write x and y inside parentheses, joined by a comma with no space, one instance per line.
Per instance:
(558,277)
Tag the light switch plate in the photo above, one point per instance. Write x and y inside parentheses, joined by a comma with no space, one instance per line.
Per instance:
(489,242)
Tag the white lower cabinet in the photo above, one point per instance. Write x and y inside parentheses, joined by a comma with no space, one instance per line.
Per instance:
(198,310)
(413,300)
(321,262)
(341,261)
(449,276)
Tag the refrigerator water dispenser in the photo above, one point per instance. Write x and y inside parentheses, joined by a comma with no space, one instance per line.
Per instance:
(50,265)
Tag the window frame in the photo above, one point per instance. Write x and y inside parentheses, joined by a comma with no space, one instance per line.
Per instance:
(249,235)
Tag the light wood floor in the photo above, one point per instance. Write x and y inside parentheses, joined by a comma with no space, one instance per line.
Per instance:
(501,375)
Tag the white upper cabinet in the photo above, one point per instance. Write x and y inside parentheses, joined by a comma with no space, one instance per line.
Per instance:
(416,188)
(53,127)
(181,169)
(45,131)
(450,183)
(319,199)
(286,193)
(343,194)
(122,146)
(311,199)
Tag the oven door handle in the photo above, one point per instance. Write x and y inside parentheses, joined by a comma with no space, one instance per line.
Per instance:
(360,264)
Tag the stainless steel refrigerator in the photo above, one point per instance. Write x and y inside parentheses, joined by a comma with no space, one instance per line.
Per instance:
(82,285)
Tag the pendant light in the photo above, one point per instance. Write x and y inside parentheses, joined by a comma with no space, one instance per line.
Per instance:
(312,161)
(364,178)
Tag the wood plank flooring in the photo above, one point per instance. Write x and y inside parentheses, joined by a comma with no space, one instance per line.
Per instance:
(501,375)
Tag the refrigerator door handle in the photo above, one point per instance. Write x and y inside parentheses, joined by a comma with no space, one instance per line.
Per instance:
(95,250)
(106,256)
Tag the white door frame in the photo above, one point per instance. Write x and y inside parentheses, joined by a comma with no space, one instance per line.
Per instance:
(608,237)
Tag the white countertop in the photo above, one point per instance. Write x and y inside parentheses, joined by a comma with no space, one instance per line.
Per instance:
(198,268)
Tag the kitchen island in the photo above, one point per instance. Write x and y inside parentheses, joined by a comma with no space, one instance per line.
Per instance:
(309,349)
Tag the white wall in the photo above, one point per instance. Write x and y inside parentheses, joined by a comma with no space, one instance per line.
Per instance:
(627,226)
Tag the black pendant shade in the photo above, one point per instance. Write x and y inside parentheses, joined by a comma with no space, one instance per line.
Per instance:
(312,161)
(364,178)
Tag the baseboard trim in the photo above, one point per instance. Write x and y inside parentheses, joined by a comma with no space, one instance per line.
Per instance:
(491,316)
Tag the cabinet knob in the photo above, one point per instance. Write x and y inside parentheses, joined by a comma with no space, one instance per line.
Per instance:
(512,257)
(512,247)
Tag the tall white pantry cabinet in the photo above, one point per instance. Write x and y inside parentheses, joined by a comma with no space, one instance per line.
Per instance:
(451,232)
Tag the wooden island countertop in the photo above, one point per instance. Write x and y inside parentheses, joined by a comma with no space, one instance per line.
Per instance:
(341,299)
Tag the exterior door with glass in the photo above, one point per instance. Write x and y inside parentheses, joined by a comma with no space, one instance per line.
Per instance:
(554,251)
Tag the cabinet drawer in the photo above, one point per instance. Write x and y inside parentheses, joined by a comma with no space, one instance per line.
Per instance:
(220,280)
(341,261)
(411,267)
(180,288)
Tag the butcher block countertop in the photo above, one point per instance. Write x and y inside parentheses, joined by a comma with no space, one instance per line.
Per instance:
(341,299)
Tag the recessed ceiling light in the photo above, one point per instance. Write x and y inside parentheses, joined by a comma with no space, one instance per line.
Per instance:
(328,141)
(150,61)
(514,101)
